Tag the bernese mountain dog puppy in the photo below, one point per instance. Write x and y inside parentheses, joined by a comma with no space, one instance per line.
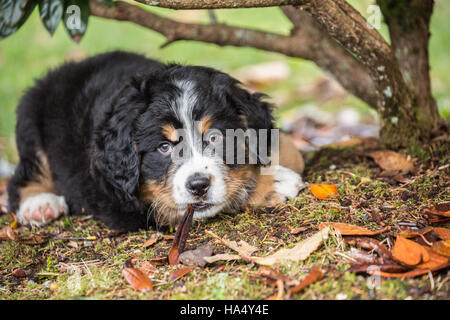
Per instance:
(99,137)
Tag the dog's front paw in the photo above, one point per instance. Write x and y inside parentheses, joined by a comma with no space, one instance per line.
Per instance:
(41,209)
(288,183)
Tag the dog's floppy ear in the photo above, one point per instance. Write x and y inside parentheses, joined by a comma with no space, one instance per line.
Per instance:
(115,159)
(255,112)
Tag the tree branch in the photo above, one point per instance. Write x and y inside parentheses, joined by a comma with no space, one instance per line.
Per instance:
(309,42)
(216,4)
(333,57)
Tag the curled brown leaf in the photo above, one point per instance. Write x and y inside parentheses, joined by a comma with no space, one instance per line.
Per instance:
(351,230)
(314,275)
(136,278)
(179,273)
(409,252)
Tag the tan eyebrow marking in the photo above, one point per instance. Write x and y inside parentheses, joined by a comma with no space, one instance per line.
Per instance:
(170,132)
(205,124)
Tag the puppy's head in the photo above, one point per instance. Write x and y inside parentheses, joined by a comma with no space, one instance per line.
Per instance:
(172,139)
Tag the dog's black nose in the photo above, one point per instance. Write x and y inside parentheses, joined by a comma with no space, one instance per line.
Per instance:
(198,185)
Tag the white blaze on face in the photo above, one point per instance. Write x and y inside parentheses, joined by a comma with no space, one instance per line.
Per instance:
(193,160)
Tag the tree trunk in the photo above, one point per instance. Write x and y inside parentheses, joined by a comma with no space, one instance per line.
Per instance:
(417,117)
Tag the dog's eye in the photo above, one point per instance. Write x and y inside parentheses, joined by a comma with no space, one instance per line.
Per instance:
(165,148)
(215,138)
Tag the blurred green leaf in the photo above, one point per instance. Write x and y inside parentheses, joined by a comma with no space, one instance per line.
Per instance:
(51,12)
(76,16)
(13,14)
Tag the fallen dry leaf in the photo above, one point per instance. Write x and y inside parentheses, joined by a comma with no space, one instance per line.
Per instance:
(34,239)
(159,261)
(280,291)
(442,233)
(442,248)
(7,233)
(442,209)
(19,273)
(363,257)
(243,248)
(196,257)
(222,257)
(274,275)
(324,191)
(147,268)
(297,230)
(299,252)
(351,230)
(409,252)
(150,242)
(136,278)
(414,233)
(435,263)
(390,266)
(314,275)
(179,273)
(392,161)
(370,244)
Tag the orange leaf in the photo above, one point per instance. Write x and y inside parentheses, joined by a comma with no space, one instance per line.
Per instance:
(351,230)
(280,291)
(159,261)
(147,268)
(414,233)
(315,275)
(7,233)
(137,279)
(435,263)
(441,209)
(324,191)
(274,275)
(442,248)
(177,274)
(174,255)
(150,242)
(442,233)
(409,252)
(392,161)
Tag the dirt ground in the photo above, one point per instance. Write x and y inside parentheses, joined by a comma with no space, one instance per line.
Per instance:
(79,258)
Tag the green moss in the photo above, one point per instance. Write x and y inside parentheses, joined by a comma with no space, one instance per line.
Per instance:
(16,255)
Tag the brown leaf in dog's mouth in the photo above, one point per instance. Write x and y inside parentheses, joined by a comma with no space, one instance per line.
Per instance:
(181,235)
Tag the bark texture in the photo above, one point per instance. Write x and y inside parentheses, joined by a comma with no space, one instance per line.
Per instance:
(408,23)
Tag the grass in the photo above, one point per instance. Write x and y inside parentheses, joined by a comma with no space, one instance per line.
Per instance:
(62,269)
